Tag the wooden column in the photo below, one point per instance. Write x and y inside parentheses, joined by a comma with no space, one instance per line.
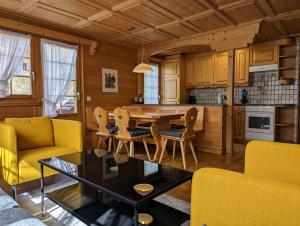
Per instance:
(297,77)
(230,100)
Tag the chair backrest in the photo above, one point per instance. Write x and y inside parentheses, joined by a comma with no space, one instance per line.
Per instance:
(273,161)
(199,124)
(189,122)
(101,116)
(122,120)
(91,123)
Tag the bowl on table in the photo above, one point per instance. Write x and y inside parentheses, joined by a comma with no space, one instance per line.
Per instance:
(143,189)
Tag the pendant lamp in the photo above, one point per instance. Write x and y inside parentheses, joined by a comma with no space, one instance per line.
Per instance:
(143,67)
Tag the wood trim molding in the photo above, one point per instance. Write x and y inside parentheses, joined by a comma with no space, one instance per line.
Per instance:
(233,37)
(44,32)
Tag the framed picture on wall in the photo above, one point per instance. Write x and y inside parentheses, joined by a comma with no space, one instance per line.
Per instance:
(110,80)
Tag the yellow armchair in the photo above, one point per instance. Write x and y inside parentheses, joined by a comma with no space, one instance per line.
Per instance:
(19,166)
(268,194)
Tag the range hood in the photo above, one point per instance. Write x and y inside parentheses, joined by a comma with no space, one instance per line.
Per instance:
(267,67)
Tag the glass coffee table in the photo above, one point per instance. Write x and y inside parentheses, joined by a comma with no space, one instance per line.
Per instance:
(102,189)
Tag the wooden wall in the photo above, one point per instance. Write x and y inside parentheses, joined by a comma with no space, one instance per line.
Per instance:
(113,57)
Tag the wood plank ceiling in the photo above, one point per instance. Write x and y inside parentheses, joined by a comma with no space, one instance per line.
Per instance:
(134,22)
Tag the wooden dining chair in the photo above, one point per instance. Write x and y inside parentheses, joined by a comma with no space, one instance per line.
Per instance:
(181,135)
(106,130)
(128,133)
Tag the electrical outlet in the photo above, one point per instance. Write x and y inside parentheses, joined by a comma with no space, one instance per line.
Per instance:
(88,98)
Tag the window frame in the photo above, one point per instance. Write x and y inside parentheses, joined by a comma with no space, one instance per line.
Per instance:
(32,75)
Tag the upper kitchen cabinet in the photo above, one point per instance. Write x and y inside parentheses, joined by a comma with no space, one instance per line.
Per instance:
(221,68)
(190,72)
(241,67)
(204,70)
(263,55)
(171,67)
(173,80)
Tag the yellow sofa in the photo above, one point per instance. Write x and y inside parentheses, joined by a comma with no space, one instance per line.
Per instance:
(56,137)
(267,194)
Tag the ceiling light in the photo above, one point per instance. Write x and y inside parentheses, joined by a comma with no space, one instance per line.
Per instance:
(143,68)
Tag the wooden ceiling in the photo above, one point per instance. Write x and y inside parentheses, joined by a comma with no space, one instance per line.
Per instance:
(134,22)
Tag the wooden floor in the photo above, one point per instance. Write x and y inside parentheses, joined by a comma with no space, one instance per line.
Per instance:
(234,162)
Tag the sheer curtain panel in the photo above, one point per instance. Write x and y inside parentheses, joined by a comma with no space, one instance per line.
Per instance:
(59,66)
(13,47)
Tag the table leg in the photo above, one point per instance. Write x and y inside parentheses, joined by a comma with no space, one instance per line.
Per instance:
(42,190)
(155,127)
(136,217)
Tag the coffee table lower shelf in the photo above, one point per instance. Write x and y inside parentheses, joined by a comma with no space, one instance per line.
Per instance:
(88,210)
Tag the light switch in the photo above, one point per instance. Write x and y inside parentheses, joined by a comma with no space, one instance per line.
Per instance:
(88,98)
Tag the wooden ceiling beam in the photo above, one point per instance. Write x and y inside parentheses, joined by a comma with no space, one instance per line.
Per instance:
(210,5)
(267,10)
(27,6)
(236,5)
(295,14)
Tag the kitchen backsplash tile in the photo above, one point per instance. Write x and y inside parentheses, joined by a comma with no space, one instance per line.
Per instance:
(264,89)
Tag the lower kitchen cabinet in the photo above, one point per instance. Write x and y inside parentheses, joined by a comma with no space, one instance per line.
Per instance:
(239,117)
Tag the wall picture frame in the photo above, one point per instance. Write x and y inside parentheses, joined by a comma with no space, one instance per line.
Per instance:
(110,80)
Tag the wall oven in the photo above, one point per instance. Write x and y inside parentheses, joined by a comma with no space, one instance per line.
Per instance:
(260,122)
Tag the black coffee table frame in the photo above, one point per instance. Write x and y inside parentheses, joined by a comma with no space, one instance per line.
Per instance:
(135,205)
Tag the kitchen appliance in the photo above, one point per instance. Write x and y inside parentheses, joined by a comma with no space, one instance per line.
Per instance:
(192,99)
(244,99)
(260,122)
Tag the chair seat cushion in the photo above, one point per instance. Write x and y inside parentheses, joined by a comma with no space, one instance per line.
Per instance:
(29,168)
(171,132)
(32,132)
(176,126)
(145,125)
(138,132)
(112,128)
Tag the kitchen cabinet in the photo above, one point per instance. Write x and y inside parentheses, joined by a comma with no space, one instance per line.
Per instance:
(239,117)
(204,70)
(263,55)
(171,90)
(221,68)
(173,80)
(190,71)
(241,67)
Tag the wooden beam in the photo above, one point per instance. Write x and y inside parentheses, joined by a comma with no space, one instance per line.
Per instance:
(297,110)
(44,32)
(219,13)
(27,6)
(233,37)
(283,16)
(230,102)
(236,4)
(265,7)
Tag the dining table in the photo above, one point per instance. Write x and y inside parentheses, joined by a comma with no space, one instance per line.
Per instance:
(160,120)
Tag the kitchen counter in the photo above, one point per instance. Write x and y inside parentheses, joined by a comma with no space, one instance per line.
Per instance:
(198,104)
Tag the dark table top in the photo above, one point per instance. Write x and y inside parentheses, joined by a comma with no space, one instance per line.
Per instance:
(94,168)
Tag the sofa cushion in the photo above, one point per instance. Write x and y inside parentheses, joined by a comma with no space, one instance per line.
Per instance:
(29,168)
(32,132)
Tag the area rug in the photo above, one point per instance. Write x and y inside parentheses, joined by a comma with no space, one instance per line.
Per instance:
(57,216)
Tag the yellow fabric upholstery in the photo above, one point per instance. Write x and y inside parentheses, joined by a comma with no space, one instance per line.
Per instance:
(268,194)
(225,198)
(273,161)
(32,132)
(29,168)
(21,166)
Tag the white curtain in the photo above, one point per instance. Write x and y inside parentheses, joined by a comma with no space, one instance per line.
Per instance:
(151,86)
(13,48)
(59,65)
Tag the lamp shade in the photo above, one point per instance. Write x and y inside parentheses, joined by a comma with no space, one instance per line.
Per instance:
(143,68)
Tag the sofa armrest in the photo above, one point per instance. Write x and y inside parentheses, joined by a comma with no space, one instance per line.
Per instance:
(68,133)
(273,161)
(226,198)
(9,153)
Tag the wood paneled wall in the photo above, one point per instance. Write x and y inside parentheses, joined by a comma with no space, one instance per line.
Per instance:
(113,57)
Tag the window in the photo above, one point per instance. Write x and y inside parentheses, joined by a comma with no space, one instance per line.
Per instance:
(151,86)
(59,75)
(20,83)
(68,104)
